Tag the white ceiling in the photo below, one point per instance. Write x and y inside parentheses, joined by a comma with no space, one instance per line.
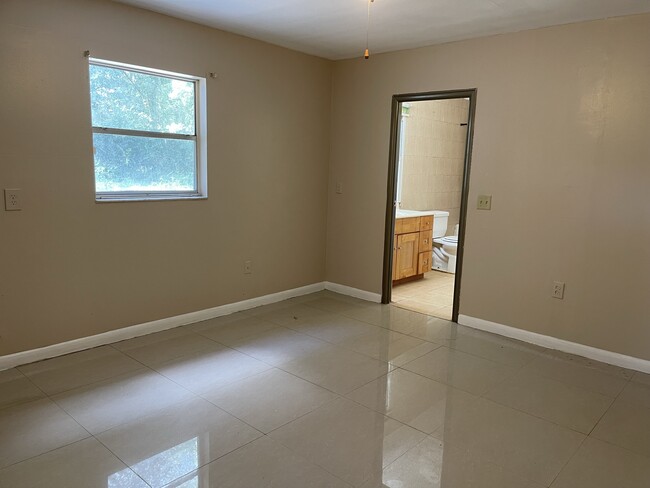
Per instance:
(336,29)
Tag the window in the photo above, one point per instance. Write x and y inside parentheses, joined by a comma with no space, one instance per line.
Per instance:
(148,133)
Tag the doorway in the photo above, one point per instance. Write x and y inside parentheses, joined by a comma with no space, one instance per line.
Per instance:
(428,184)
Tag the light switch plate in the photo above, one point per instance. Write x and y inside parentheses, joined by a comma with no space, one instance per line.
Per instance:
(484,202)
(12,199)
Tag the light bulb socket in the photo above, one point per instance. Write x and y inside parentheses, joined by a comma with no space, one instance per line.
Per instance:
(366,54)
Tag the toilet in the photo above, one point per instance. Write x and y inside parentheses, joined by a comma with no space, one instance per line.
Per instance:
(444,247)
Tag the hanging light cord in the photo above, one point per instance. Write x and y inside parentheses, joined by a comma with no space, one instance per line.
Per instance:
(366,54)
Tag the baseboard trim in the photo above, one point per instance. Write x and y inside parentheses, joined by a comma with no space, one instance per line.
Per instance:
(602,355)
(353,292)
(25,357)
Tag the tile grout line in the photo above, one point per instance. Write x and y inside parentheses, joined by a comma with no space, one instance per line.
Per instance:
(589,434)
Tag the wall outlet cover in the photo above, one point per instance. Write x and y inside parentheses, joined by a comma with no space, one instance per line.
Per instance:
(558,290)
(12,199)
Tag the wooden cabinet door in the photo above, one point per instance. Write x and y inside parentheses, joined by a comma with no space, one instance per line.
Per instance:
(407,255)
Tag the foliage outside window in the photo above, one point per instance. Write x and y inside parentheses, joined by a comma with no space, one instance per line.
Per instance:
(148,133)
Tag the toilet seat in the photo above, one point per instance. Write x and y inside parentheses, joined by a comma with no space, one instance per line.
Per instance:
(448,240)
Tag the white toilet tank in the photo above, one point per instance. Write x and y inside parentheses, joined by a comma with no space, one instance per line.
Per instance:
(440,218)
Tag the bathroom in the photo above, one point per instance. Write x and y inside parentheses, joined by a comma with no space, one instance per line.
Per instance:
(431,163)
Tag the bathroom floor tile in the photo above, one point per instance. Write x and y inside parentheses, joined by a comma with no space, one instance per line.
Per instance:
(16,388)
(412,399)
(433,294)
(286,398)
(263,463)
(83,464)
(552,400)
(337,369)
(460,370)
(101,406)
(598,464)
(348,440)
(433,464)
(33,428)
(166,347)
(280,345)
(177,440)
(533,448)
(435,298)
(626,425)
(78,369)
(209,370)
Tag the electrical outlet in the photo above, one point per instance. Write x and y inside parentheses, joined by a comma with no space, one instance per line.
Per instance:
(12,199)
(484,202)
(248,267)
(558,290)
(339,187)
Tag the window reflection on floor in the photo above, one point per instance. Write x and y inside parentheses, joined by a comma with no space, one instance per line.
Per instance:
(165,466)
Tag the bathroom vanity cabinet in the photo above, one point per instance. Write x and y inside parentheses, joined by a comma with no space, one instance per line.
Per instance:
(412,247)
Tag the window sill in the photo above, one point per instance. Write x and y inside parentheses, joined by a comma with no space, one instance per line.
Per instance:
(151,198)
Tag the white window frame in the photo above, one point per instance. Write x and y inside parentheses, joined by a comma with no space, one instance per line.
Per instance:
(200,129)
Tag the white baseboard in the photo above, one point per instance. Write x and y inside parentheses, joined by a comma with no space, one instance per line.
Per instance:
(353,292)
(25,357)
(594,353)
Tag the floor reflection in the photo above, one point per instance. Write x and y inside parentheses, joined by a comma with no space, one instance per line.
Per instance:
(165,466)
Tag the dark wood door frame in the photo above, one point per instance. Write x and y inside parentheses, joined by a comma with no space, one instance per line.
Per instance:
(392,186)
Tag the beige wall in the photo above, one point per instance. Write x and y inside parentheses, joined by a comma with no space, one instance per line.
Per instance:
(434,156)
(70,267)
(561,142)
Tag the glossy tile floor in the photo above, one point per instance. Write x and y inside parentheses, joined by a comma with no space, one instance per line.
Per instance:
(323,391)
(432,295)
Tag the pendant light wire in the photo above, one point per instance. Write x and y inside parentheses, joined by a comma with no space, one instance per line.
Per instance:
(366,54)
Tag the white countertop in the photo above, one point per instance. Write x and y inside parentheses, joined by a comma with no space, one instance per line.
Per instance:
(403,213)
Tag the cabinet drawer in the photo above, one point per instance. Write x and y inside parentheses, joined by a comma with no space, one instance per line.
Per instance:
(424,262)
(426,223)
(425,241)
(409,225)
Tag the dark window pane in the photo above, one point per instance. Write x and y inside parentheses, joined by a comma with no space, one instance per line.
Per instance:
(122,99)
(130,163)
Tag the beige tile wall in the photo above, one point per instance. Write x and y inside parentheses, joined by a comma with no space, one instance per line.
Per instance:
(434,149)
